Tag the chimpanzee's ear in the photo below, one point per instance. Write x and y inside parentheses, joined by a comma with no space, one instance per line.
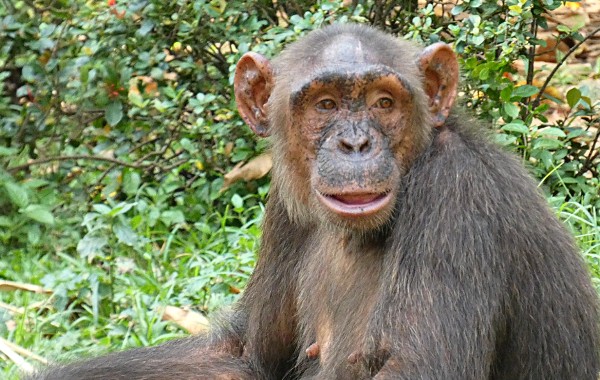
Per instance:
(252,86)
(439,66)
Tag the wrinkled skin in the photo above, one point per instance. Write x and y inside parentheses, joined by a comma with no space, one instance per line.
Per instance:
(398,243)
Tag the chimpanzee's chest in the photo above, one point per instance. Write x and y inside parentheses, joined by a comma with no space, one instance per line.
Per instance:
(335,305)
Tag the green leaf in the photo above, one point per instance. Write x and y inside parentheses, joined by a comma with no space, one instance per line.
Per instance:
(187,144)
(102,208)
(35,183)
(34,234)
(28,73)
(131,182)
(5,151)
(91,246)
(121,208)
(506,93)
(525,91)
(113,113)
(145,28)
(546,157)
(39,213)
(518,127)
(478,40)
(125,234)
(552,131)
(543,143)
(504,139)
(172,217)
(511,110)
(237,201)
(587,102)
(576,132)
(458,9)
(136,99)
(5,221)
(484,73)
(17,194)
(573,96)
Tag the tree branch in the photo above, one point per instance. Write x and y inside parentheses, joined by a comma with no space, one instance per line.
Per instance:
(46,160)
(538,98)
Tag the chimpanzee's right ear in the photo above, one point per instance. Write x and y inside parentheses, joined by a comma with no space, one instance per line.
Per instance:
(252,84)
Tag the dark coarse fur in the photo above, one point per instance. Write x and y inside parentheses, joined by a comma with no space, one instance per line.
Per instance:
(472,277)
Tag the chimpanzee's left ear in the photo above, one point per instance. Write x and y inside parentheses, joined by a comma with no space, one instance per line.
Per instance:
(439,66)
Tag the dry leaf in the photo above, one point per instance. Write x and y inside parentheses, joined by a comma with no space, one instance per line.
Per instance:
(170,76)
(9,286)
(151,89)
(133,88)
(190,320)
(256,168)
(22,351)
(228,149)
(15,358)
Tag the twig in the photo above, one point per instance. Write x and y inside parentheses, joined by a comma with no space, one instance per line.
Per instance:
(20,350)
(73,158)
(587,164)
(16,358)
(9,286)
(140,145)
(12,309)
(538,98)
(20,310)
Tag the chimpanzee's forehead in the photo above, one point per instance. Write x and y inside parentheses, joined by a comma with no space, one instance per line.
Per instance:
(348,50)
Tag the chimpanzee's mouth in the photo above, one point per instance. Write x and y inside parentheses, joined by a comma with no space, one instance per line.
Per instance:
(355,204)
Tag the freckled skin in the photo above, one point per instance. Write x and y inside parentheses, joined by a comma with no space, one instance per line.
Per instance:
(398,242)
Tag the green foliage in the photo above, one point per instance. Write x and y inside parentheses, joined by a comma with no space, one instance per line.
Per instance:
(117,124)
(490,37)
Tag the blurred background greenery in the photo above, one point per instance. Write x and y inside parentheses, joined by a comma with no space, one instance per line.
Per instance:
(128,181)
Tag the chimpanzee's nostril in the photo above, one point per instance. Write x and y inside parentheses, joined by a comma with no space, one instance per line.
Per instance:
(365,146)
(345,146)
(354,145)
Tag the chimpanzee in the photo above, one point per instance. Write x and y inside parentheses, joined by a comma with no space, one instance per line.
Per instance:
(398,242)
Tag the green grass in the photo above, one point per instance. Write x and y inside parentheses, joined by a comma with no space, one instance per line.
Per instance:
(113,301)
(584,222)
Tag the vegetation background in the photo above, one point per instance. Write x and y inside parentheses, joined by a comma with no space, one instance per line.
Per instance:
(124,198)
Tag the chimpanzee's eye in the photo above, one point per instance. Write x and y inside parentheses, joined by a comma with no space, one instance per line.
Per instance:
(384,103)
(326,105)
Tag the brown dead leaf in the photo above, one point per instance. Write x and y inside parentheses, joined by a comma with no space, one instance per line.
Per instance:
(9,286)
(168,56)
(190,320)
(145,79)
(151,89)
(15,358)
(256,168)
(547,53)
(228,149)
(234,289)
(133,88)
(23,351)
(170,76)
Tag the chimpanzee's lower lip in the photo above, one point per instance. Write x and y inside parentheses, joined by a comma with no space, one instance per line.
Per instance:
(356,204)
